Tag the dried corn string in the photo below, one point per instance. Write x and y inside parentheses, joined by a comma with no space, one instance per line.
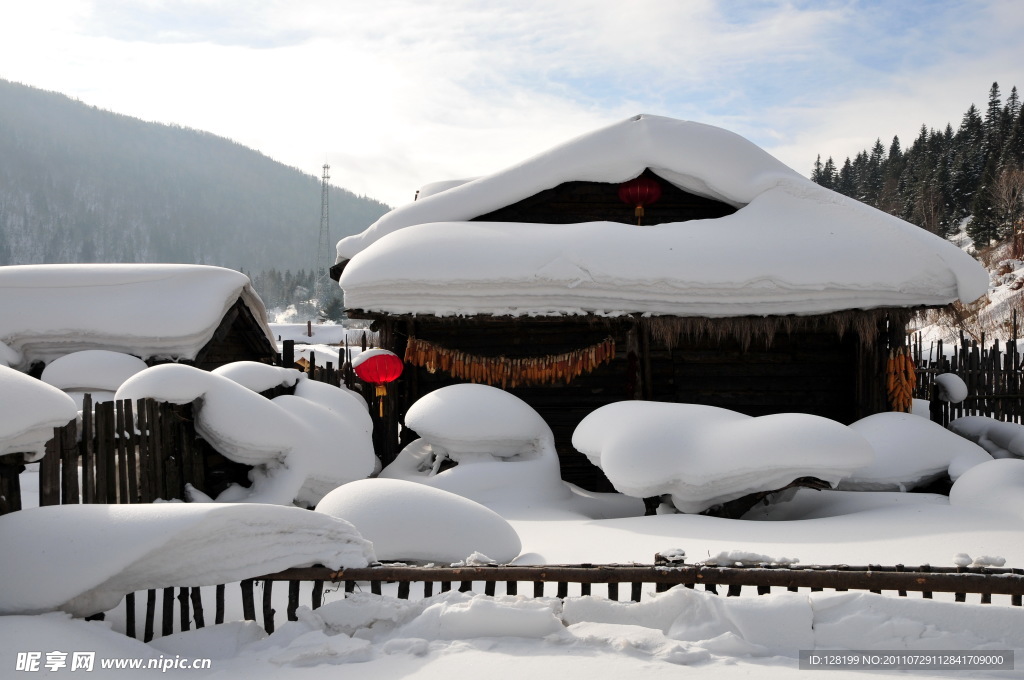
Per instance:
(508,372)
(901,378)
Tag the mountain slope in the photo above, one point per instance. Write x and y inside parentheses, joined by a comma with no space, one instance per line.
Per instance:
(79,184)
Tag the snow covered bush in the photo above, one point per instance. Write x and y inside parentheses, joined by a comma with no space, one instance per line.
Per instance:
(300,447)
(409,521)
(703,456)
(910,452)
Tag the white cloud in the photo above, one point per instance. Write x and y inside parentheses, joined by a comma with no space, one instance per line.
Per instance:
(397,93)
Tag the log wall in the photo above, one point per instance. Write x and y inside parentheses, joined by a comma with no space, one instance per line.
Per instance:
(814,371)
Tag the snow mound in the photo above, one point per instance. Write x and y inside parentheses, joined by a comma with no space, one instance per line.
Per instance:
(773,624)
(299,448)
(910,452)
(29,410)
(408,521)
(505,451)
(703,456)
(952,388)
(480,617)
(1002,440)
(792,247)
(258,377)
(997,485)
(470,419)
(117,549)
(148,310)
(92,369)
(341,400)
(731,558)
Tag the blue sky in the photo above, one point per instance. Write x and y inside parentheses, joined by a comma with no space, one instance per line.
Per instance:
(398,93)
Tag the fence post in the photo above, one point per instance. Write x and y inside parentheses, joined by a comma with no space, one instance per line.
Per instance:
(49,473)
(88,450)
(11,467)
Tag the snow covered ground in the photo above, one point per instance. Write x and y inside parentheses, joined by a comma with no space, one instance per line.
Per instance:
(465,635)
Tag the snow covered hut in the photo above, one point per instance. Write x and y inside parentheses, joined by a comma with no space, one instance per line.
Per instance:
(194,314)
(652,259)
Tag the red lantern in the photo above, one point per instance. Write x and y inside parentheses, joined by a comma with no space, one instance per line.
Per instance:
(379,367)
(638,192)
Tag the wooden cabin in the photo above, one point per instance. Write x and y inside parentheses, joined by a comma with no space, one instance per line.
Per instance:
(194,314)
(548,281)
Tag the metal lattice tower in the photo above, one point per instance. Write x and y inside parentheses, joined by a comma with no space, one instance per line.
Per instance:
(323,251)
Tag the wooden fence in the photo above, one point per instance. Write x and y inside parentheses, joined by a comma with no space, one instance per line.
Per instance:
(125,453)
(992,374)
(618,580)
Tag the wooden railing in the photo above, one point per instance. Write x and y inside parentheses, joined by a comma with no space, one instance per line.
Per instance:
(617,579)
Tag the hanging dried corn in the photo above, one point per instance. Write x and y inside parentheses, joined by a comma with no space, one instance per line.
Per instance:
(900,380)
(504,372)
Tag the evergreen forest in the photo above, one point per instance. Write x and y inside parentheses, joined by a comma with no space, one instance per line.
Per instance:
(943,177)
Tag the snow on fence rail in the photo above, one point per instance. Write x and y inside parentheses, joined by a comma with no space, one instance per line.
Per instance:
(761,578)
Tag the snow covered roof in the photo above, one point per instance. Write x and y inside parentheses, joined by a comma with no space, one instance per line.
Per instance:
(792,247)
(149,310)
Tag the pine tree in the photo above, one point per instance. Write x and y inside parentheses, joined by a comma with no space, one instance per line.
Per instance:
(816,171)
(828,174)
(967,162)
(845,183)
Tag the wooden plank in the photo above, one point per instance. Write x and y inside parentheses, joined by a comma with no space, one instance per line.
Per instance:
(318,595)
(168,612)
(293,600)
(69,493)
(197,606)
(11,468)
(150,614)
(129,617)
(88,451)
(121,453)
(219,603)
(170,458)
(268,607)
(248,600)
(186,616)
(49,473)
(132,446)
